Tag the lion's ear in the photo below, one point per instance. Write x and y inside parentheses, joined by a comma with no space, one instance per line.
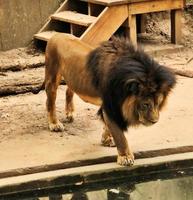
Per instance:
(133,86)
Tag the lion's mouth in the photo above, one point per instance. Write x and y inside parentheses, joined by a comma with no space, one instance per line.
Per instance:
(148,122)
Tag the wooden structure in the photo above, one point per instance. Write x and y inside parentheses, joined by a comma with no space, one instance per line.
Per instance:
(94,21)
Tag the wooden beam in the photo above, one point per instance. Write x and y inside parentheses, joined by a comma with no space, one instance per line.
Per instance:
(90,6)
(106,24)
(118,2)
(107,2)
(176,26)
(133,29)
(45,35)
(154,6)
(65,6)
(74,18)
(137,1)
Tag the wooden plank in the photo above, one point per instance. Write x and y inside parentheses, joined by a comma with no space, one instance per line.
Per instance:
(115,2)
(133,29)
(176,26)
(90,8)
(45,36)
(106,24)
(107,2)
(74,17)
(77,178)
(99,160)
(64,6)
(136,1)
(154,6)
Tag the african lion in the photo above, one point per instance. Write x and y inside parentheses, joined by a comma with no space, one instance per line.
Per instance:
(129,87)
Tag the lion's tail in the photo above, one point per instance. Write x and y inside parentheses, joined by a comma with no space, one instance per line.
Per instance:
(38,89)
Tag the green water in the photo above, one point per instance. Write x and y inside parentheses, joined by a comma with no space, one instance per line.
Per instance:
(172,189)
(176,189)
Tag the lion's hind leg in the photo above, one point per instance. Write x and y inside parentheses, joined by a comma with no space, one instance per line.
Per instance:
(69,105)
(52,81)
(107,138)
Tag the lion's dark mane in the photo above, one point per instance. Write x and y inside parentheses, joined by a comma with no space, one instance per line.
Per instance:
(119,70)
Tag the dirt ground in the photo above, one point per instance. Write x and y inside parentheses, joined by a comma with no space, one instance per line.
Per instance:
(25,140)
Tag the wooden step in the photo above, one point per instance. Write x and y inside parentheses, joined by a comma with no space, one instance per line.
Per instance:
(107,2)
(45,36)
(74,18)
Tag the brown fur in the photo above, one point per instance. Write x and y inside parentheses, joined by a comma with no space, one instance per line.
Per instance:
(90,79)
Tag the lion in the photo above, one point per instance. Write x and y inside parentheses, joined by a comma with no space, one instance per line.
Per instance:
(129,87)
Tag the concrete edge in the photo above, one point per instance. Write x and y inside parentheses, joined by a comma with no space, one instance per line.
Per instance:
(43,183)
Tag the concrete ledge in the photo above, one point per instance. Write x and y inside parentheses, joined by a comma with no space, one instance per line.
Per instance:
(93,161)
(80,177)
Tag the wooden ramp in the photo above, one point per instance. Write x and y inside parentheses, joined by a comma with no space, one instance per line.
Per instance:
(94,21)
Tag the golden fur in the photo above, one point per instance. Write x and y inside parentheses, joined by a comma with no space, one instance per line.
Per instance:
(128,86)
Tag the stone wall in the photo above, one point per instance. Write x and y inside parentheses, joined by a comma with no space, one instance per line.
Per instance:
(20,19)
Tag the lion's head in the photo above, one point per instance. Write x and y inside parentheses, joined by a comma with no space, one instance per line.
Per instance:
(134,87)
(147,88)
(148,109)
(143,86)
(143,110)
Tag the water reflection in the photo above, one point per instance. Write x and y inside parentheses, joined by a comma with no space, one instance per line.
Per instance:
(173,189)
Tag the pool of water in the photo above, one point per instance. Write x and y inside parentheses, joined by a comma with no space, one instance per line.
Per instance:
(170,189)
(175,189)
(166,180)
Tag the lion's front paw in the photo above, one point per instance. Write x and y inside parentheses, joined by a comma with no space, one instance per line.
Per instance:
(125,160)
(58,127)
(108,141)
